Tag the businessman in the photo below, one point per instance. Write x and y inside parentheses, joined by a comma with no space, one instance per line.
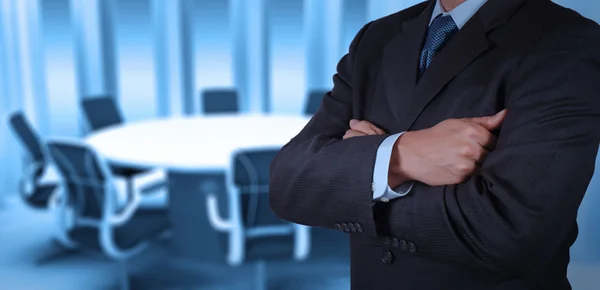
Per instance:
(454,148)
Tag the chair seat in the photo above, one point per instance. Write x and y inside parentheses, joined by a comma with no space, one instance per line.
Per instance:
(146,224)
(152,196)
(40,197)
(126,172)
(262,212)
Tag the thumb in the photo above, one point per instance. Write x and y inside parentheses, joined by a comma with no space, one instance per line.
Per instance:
(490,122)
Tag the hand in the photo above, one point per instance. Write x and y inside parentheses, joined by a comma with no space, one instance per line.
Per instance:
(448,153)
(362,128)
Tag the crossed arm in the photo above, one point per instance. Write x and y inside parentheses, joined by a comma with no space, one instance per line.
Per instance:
(510,216)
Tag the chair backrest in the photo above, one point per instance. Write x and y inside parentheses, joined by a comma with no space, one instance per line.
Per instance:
(84,177)
(101,112)
(250,173)
(220,101)
(28,137)
(313,102)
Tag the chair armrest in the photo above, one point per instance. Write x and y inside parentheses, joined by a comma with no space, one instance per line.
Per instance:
(50,175)
(302,242)
(28,180)
(215,219)
(31,169)
(127,212)
(149,180)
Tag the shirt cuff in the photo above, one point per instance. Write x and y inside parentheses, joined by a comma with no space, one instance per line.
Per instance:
(380,187)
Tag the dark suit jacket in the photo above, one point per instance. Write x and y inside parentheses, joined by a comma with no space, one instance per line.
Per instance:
(508,227)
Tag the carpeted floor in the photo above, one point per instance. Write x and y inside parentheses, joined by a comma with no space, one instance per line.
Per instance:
(30,260)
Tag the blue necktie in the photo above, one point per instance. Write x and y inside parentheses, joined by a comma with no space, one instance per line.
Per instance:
(440,31)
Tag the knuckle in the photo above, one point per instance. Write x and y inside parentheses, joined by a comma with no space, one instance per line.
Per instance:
(467,150)
(464,168)
(459,179)
(479,155)
(461,167)
(472,129)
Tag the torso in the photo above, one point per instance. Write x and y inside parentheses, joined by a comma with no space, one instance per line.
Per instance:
(478,90)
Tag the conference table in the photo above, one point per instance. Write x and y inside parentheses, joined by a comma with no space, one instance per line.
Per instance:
(196,152)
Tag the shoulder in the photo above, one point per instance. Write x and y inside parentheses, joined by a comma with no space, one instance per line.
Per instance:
(566,28)
(393,22)
(375,35)
(564,56)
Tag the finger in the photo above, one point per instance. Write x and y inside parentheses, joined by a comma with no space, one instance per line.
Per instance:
(363,126)
(480,135)
(353,133)
(490,143)
(487,141)
(465,170)
(366,127)
(483,153)
(490,122)
(472,152)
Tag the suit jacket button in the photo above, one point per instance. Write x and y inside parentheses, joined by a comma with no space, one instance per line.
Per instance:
(412,248)
(395,243)
(338,227)
(345,228)
(386,240)
(387,257)
(403,245)
(358,227)
(352,228)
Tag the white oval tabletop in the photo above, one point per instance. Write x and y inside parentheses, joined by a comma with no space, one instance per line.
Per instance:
(193,143)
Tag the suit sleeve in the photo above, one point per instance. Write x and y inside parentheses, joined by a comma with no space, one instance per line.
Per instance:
(319,179)
(518,211)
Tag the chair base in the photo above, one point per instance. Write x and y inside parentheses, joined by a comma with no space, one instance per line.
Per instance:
(40,198)
(147,224)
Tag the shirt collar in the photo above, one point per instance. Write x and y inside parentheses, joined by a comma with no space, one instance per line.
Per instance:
(461,13)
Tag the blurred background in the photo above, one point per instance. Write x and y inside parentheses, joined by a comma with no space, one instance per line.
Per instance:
(136,137)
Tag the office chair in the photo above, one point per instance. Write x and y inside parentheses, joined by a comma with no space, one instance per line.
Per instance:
(313,102)
(107,218)
(32,189)
(220,101)
(250,215)
(102,112)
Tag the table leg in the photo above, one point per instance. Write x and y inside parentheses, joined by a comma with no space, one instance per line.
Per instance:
(193,236)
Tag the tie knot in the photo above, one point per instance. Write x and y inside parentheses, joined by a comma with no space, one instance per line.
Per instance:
(441,29)
(443,26)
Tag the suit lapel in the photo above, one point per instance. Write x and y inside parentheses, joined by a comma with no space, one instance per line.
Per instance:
(401,62)
(470,42)
(407,97)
